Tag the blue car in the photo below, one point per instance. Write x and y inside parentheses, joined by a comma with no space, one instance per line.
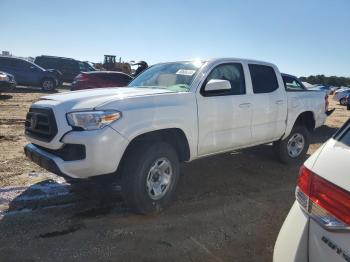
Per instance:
(27,73)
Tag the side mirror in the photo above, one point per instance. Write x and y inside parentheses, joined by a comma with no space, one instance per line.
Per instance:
(217,84)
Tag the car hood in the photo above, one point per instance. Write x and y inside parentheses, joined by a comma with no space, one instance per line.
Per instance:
(89,99)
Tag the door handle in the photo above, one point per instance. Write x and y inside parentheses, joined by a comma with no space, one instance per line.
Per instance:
(244,105)
(279,102)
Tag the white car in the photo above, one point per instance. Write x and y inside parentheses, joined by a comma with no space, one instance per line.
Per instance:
(172,112)
(317,228)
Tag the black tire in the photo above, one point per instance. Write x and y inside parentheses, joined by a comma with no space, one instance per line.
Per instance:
(343,101)
(135,171)
(281,146)
(48,84)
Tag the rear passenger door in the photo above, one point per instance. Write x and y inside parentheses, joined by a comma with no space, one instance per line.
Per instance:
(268,102)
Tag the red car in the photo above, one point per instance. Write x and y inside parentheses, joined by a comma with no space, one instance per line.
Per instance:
(100,79)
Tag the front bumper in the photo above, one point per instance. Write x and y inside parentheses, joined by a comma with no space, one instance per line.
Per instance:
(7,85)
(103,151)
(292,240)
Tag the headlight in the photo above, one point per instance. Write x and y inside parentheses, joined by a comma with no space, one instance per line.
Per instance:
(92,120)
(4,77)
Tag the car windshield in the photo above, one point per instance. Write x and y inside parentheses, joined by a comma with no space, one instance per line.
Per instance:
(175,76)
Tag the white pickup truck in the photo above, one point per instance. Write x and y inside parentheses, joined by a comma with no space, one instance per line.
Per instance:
(172,112)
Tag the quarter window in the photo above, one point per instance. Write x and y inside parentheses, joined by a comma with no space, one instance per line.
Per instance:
(232,72)
(264,78)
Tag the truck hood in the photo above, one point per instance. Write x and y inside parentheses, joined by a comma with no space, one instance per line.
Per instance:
(88,99)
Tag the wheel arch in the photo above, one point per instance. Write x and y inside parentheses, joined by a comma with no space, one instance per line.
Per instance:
(306,118)
(176,137)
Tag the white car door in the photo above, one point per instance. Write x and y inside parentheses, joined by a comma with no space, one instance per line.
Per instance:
(269,104)
(224,116)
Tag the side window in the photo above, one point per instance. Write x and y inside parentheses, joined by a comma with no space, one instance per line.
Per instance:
(45,63)
(264,78)
(21,64)
(292,84)
(232,72)
(70,66)
(82,67)
(49,63)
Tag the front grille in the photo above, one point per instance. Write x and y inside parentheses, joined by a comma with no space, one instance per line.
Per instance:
(69,152)
(41,124)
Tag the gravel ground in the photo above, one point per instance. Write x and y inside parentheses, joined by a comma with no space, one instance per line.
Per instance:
(229,207)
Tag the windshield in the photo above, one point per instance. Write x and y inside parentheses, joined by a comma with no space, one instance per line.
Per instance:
(175,76)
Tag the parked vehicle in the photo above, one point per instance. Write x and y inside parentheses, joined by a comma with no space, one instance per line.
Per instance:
(7,82)
(68,67)
(140,67)
(326,89)
(317,226)
(308,85)
(341,96)
(170,113)
(292,83)
(28,73)
(100,79)
(347,99)
(341,89)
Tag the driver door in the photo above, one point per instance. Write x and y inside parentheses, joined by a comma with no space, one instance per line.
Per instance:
(224,116)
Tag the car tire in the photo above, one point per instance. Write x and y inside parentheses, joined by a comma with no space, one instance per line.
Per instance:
(149,177)
(293,148)
(343,101)
(48,84)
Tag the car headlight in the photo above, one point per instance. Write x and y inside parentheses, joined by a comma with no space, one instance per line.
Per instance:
(4,77)
(92,120)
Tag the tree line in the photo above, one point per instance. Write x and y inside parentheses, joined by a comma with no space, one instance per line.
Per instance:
(327,80)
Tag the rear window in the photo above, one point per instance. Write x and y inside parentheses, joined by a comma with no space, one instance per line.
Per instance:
(264,78)
(291,83)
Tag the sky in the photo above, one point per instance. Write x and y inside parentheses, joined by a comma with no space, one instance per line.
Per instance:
(301,37)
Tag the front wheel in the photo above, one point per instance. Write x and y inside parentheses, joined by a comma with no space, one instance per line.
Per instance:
(48,84)
(149,177)
(293,148)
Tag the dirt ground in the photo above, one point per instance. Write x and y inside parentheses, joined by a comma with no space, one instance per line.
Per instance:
(229,207)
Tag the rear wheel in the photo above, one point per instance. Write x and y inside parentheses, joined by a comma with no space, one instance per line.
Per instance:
(48,84)
(149,177)
(294,147)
